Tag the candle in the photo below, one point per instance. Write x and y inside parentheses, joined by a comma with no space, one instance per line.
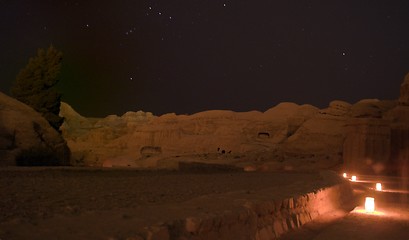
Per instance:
(378,187)
(369,204)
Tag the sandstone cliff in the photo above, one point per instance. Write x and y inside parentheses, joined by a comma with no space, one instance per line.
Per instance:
(369,136)
(274,139)
(26,138)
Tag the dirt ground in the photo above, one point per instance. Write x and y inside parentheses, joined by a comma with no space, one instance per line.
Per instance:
(96,203)
(31,197)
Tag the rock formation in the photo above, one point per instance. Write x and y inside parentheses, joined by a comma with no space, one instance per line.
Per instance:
(367,146)
(377,139)
(26,138)
(370,136)
(399,122)
(275,139)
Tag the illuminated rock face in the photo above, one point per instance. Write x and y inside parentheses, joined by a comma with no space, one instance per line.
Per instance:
(286,131)
(399,118)
(26,135)
(377,139)
(367,146)
(370,136)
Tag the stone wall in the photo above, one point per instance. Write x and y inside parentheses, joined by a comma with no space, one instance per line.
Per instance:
(259,220)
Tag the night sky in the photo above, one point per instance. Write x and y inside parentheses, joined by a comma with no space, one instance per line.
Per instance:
(186,56)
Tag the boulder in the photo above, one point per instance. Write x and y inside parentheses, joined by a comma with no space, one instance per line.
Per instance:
(26,138)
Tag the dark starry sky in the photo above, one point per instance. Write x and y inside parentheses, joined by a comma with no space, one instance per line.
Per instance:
(187,56)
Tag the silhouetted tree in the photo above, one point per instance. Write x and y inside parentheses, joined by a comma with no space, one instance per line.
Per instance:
(35,85)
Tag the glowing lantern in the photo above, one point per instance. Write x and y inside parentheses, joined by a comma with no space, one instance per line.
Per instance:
(353,178)
(378,187)
(344,175)
(370,204)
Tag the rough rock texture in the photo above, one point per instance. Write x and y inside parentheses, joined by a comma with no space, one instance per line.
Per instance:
(377,140)
(258,141)
(287,136)
(399,124)
(320,137)
(368,143)
(367,146)
(25,135)
(370,136)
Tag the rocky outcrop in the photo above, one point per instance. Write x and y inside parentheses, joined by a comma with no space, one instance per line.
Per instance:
(253,139)
(367,146)
(369,136)
(319,138)
(26,138)
(377,139)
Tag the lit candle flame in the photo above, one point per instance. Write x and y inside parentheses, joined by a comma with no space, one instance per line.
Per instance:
(353,178)
(344,175)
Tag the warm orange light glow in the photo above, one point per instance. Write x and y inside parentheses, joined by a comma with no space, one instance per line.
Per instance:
(370,204)
(360,210)
(345,175)
(378,187)
(353,178)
